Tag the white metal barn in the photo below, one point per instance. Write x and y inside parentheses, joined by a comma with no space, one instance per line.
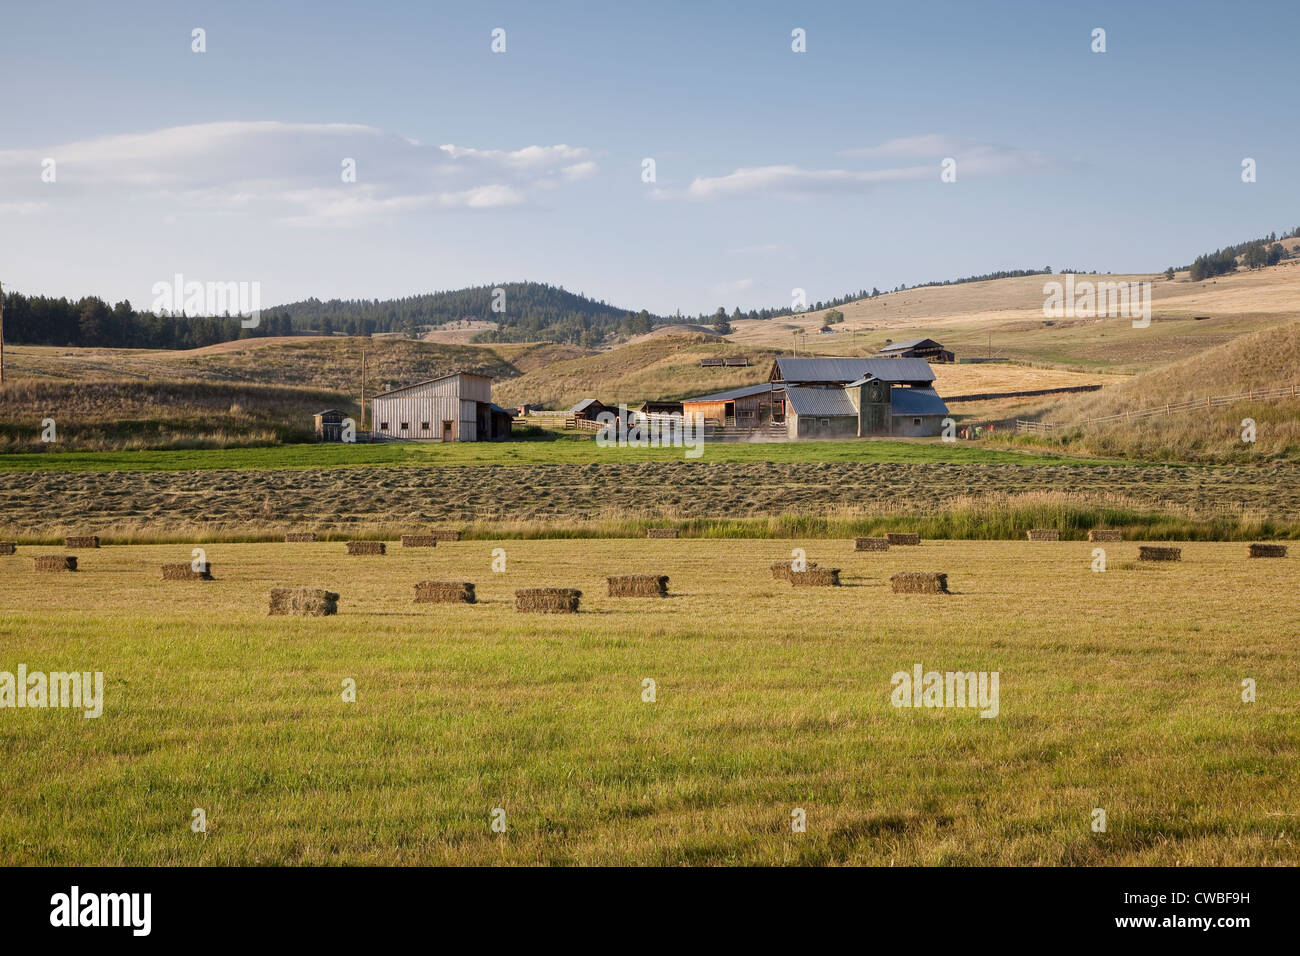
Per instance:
(456,407)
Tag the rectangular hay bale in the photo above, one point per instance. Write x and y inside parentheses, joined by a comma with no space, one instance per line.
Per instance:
(1044,534)
(447,534)
(1105,534)
(781,570)
(419,541)
(81,541)
(638,585)
(816,578)
(1149,553)
(920,582)
(1267,550)
(548,600)
(8,547)
(309,602)
(661,532)
(56,562)
(367,547)
(870,544)
(444,592)
(184,571)
(299,537)
(900,537)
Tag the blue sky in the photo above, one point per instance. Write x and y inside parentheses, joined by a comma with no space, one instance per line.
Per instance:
(774,169)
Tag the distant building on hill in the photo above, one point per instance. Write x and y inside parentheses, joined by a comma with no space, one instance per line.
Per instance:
(927,349)
(456,407)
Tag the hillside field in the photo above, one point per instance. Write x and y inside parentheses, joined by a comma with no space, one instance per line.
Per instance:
(1119,690)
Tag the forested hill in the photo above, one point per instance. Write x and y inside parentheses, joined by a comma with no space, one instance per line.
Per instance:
(524,311)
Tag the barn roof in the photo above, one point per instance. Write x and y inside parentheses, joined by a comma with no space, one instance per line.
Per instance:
(504,411)
(735,393)
(430,381)
(855,370)
(587,403)
(903,346)
(916,401)
(823,402)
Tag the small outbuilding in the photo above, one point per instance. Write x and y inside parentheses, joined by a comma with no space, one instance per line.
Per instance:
(927,349)
(589,408)
(329,425)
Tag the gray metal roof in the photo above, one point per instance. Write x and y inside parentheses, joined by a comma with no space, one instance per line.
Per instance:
(586,403)
(821,402)
(846,370)
(901,346)
(430,381)
(916,401)
(735,393)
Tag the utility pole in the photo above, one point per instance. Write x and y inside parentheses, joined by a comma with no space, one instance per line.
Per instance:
(2,333)
(363,389)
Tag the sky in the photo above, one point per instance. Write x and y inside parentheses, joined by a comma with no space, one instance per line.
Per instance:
(774,170)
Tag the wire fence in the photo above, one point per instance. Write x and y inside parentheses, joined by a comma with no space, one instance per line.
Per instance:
(1212,402)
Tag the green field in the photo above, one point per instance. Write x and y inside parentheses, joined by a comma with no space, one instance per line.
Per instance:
(1118,690)
(561,451)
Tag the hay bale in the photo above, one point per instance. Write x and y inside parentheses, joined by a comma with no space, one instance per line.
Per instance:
(299,537)
(1268,551)
(920,582)
(870,544)
(447,534)
(638,585)
(661,532)
(897,537)
(816,578)
(185,571)
(548,600)
(419,541)
(444,592)
(367,547)
(1149,553)
(309,602)
(1044,534)
(1105,534)
(8,547)
(56,562)
(781,570)
(81,541)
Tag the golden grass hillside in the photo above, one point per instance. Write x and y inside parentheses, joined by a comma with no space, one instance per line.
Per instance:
(1120,690)
(1267,359)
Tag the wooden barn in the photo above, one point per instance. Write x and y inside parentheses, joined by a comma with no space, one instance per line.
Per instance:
(329,425)
(748,407)
(456,407)
(589,408)
(856,397)
(927,349)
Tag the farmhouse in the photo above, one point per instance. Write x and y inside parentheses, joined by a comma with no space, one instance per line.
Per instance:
(456,407)
(927,349)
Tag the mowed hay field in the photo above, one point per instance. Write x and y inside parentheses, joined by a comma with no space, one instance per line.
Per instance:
(1119,690)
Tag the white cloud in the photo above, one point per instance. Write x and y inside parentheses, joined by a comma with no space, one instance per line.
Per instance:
(788,182)
(733,288)
(290,172)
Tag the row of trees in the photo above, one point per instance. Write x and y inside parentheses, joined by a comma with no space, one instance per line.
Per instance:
(92,322)
(1254,254)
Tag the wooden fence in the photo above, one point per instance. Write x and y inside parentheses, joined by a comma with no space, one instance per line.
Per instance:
(1214,401)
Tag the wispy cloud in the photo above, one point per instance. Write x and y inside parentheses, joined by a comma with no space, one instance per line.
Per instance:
(734,288)
(794,182)
(291,172)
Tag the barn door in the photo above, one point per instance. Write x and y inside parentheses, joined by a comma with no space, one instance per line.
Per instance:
(446,432)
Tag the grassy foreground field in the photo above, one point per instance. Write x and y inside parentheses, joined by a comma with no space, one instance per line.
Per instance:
(1118,690)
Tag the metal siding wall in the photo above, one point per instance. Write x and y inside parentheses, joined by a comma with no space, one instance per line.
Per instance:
(468,421)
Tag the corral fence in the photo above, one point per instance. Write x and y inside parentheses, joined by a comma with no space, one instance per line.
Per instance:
(1214,401)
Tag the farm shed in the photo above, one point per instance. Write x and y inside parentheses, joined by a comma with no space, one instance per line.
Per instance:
(329,425)
(750,406)
(820,413)
(456,407)
(589,408)
(660,408)
(927,349)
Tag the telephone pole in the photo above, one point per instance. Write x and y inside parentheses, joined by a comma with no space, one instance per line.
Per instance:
(2,333)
